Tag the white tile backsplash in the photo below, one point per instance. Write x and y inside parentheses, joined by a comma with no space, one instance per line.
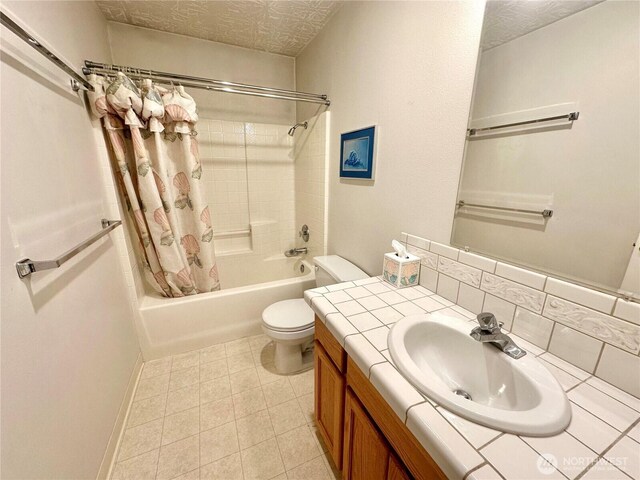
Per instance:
(591,330)
(575,347)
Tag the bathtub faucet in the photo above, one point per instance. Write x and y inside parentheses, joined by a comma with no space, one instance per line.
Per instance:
(294,252)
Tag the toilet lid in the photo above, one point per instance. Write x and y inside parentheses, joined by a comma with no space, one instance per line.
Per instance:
(288,315)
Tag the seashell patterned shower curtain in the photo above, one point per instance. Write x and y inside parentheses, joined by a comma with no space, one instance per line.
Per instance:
(153,138)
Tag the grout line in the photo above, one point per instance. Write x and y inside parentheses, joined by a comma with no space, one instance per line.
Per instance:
(553,327)
(595,368)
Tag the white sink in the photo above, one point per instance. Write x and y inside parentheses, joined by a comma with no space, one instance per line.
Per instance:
(437,355)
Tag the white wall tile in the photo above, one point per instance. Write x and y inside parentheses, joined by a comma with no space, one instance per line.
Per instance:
(478,261)
(620,369)
(520,275)
(626,310)
(448,288)
(470,298)
(503,310)
(575,347)
(444,250)
(426,258)
(584,296)
(418,242)
(429,278)
(534,328)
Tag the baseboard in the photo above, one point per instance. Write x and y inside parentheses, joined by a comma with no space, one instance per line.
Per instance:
(108,461)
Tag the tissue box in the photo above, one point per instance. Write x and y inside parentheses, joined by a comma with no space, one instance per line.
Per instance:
(401,272)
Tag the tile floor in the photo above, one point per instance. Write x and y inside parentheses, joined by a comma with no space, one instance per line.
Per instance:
(222,413)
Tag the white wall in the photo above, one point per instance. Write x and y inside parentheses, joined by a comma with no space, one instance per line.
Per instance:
(145,48)
(407,67)
(592,170)
(68,341)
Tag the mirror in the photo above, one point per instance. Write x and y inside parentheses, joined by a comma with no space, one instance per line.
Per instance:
(551,174)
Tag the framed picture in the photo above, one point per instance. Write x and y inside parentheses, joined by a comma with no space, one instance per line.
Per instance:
(356,154)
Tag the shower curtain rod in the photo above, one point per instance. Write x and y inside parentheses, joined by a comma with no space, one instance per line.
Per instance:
(203,83)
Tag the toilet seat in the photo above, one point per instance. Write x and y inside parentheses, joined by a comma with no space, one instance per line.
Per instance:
(289,316)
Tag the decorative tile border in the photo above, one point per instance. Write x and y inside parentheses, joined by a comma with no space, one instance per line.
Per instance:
(604,327)
(460,271)
(513,292)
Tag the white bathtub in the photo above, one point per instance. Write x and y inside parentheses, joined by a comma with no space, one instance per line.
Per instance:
(168,326)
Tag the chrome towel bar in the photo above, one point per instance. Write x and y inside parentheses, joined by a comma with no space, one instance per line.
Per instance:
(570,117)
(26,267)
(545,213)
(77,80)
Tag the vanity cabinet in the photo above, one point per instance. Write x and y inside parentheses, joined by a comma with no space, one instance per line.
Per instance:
(365,438)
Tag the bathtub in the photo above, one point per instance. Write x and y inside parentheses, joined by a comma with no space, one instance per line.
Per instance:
(168,326)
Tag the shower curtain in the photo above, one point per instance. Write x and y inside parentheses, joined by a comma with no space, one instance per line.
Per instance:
(152,134)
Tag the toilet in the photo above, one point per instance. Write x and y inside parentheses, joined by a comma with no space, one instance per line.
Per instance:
(289,323)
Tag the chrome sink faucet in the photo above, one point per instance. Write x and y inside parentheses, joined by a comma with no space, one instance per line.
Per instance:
(490,331)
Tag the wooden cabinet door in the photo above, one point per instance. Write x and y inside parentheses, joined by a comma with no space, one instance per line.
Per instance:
(396,470)
(366,454)
(329,403)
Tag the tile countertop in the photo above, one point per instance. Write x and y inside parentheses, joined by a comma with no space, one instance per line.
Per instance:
(601,442)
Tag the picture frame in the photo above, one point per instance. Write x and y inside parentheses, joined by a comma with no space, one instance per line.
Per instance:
(357,153)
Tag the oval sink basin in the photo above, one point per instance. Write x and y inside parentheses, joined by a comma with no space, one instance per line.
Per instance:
(477,380)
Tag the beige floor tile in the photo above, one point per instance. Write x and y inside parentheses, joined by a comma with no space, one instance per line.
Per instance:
(150,387)
(307,405)
(216,389)
(153,368)
(142,467)
(140,439)
(278,392)
(312,470)
(213,369)
(264,355)
(227,468)
(183,378)
(146,410)
(334,473)
(192,475)
(214,414)
(297,446)
(282,476)
(248,402)
(214,352)
(218,443)
(302,383)
(244,380)
(240,361)
(254,429)
(318,438)
(183,399)
(262,461)
(185,360)
(181,425)
(286,416)
(267,373)
(178,458)
(237,346)
(257,342)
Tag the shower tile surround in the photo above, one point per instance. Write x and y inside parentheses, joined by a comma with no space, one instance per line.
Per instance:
(600,442)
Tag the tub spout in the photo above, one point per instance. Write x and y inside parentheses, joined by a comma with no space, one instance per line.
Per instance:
(295,252)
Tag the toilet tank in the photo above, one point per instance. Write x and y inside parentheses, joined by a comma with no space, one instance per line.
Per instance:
(335,269)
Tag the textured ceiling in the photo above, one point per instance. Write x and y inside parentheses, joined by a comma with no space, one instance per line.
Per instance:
(283,27)
(505,20)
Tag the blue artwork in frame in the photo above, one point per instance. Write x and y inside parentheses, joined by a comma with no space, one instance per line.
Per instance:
(356,154)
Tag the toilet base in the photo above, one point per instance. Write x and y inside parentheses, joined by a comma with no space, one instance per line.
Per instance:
(290,357)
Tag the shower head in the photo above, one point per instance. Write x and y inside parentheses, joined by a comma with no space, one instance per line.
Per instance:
(292,130)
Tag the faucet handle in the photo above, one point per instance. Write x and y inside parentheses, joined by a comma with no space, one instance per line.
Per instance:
(488,321)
